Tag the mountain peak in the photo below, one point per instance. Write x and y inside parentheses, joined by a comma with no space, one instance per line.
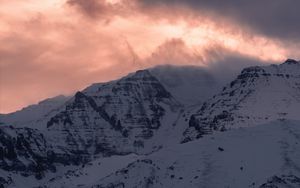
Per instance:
(291,62)
(141,74)
(144,72)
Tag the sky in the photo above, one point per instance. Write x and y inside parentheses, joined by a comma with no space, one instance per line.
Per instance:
(54,47)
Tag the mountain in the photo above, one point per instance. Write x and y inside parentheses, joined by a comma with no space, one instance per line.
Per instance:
(258,95)
(118,117)
(130,115)
(134,114)
(256,157)
(143,130)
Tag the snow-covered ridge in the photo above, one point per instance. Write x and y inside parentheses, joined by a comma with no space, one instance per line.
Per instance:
(259,94)
(289,68)
(29,116)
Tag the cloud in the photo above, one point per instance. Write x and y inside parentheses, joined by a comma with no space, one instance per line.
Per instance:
(56,47)
(214,60)
(276,18)
(175,51)
(199,75)
(241,25)
(42,57)
(90,7)
(102,10)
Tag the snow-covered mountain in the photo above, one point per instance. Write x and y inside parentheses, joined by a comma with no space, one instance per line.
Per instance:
(258,95)
(130,115)
(127,132)
(135,114)
(118,117)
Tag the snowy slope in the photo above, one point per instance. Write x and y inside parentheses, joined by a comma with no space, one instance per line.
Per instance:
(88,173)
(255,157)
(248,157)
(257,95)
(33,114)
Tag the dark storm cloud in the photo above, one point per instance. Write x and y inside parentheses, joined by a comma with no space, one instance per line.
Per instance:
(101,9)
(90,8)
(275,18)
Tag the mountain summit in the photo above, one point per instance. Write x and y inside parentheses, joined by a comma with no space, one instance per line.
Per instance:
(291,61)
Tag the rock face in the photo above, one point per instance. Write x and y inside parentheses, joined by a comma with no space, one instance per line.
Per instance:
(119,117)
(256,96)
(26,151)
(283,181)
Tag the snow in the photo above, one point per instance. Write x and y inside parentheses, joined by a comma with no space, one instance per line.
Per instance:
(250,157)
(31,115)
(97,169)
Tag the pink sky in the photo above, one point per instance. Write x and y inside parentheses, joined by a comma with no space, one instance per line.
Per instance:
(54,47)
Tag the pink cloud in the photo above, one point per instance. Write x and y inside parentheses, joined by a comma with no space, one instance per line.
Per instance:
(57,48)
